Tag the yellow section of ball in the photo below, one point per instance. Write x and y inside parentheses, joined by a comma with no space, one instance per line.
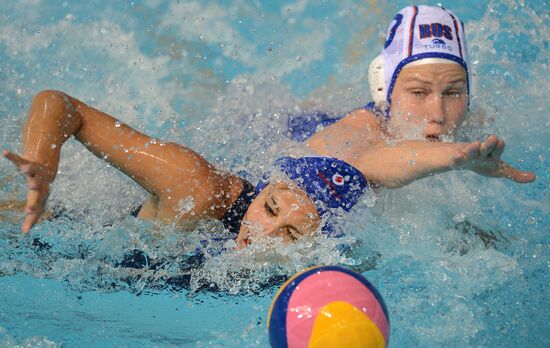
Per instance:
(340,324)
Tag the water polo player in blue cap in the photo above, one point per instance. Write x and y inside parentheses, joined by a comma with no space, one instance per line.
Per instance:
(420,85)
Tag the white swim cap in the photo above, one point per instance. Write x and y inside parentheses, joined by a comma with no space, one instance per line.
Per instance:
(417,33)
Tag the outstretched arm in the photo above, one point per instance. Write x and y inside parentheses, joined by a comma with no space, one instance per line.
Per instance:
(399,165)
(168,171)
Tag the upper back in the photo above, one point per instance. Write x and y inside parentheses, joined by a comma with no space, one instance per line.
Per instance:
(348,138)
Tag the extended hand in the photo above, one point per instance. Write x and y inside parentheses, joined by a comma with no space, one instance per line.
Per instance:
(38,182)
(484,158)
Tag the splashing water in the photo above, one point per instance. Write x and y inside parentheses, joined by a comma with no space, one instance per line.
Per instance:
(460,260)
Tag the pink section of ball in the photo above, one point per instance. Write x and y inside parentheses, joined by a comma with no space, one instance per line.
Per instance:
(320,289)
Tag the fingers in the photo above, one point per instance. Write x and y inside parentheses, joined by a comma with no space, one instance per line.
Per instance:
(33,201)
(34,207)
(489,145)
(492,147)
(499,149)
(466,154)
(34,182)
(519,176)
(37,188)
(29,221)
(14,158)
(31,170)
(472,150)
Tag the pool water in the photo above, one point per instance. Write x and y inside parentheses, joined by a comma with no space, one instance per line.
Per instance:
(461,260)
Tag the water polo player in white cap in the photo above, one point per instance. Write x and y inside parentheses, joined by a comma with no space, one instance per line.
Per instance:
(421,86)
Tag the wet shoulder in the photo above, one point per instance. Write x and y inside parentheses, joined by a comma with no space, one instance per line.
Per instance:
(362,118)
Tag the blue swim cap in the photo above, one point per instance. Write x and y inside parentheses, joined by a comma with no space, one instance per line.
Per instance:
(332,184)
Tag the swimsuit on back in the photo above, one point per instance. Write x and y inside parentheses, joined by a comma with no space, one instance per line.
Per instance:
(301,127)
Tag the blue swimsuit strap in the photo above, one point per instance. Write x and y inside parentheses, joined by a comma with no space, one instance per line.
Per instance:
(234,215)
(381,113)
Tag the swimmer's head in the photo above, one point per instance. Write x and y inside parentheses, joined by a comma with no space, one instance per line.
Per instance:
(282,210)
(316,190)
(426,42)
(430,102)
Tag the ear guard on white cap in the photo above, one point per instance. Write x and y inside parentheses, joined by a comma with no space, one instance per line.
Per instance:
(377,81)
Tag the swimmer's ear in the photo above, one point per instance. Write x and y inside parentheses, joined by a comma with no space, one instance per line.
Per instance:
(377,80)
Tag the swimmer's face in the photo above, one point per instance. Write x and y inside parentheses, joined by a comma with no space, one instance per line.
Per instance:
(428,101)
(280,210)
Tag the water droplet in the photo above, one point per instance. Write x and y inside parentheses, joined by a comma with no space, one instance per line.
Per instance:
(53,146)
(460,217)
(186,205)
(117,124)
(299,59)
